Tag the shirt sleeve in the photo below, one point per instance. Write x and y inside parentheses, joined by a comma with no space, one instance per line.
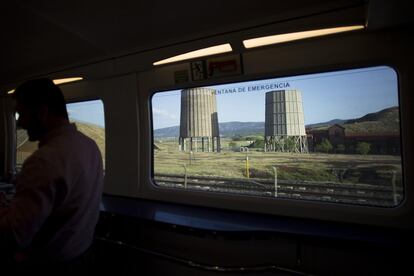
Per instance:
(32,203)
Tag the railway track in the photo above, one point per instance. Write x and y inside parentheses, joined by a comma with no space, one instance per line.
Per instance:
(366,194)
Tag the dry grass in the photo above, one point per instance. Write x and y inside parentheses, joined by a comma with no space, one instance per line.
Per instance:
(374,169)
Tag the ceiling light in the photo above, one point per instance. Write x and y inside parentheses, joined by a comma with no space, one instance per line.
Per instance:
(273,39)
(224,48)
(60,81)
(57,82)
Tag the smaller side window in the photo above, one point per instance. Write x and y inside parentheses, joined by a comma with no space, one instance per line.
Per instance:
(89,119)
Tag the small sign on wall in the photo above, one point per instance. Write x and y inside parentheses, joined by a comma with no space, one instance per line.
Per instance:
(216,67)
(181,76)
(198,70)
(223,66)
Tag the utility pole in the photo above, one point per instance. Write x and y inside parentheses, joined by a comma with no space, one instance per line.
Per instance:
(185,176)
(275,172)
(394,189)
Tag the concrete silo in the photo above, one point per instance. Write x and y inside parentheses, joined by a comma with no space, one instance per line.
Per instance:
(199,129)
(284,122)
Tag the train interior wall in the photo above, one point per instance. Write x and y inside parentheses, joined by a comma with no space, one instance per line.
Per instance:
(152,231)
(287,240)
(131,245)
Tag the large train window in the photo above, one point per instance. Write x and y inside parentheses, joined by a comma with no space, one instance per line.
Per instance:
(89,119)
(332,137)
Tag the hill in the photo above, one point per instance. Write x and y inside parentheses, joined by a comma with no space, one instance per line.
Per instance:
(386,121)
(388,115)
(167,132)
(95,132)
(230,129)
(226,129)
(383,121)
(26,148)
(326,124)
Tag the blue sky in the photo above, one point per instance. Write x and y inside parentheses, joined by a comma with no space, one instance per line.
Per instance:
(88,111)
(337,95)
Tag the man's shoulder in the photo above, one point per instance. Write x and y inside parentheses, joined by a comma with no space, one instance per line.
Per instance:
(70,136)
(37,157)
(38,163)
(84,144)
(85,139)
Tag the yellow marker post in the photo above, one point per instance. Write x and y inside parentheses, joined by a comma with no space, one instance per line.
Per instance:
(275,170)
(247,167)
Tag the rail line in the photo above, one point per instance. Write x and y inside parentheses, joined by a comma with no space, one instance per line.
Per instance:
(367,194)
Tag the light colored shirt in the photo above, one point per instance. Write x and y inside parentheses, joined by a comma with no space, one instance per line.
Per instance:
(58,191)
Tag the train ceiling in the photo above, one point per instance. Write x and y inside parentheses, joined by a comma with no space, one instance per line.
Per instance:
(44,36)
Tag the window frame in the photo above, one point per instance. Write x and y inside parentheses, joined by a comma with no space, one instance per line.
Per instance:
(88,99)
(297,58)
(266,77)
(71,101)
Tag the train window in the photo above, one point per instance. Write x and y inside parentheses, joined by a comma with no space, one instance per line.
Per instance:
(89,119)
(332,137)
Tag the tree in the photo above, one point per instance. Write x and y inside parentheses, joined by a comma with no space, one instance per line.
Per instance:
(325,146)
(290,144)
(237,137)
(363,148)
(259,143)
(233,146)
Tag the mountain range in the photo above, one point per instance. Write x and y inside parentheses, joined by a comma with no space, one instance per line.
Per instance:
(383,121)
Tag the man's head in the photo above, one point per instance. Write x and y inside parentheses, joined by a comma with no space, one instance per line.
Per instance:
(41,107)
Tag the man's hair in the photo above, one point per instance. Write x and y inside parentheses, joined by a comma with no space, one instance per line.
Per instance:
(34,93)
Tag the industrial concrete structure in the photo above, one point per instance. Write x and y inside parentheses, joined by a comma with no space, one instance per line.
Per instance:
(284,122)
(199,128)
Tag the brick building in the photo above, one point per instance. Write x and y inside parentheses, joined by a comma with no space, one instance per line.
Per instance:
(381,143)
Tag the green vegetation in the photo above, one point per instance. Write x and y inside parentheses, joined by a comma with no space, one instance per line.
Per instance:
(384,121)
(257,144)
(363,148)
(233,145)
(345,168)
(237,138)
(372,127)
(325,146)
(290,144)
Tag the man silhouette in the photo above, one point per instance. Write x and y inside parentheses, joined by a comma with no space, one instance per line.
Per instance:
(53,214)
